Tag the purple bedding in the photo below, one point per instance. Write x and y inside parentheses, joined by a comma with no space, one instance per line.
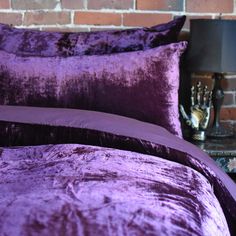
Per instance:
(86,190)
(116,83)
(28,42)
(158,185)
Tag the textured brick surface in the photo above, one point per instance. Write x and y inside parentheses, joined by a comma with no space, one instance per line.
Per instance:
(145,19)
(163,5)
(220,6)
(97,18)
(228,113)
(4,4)
(229,17)
(229,84)
(34,4)
(229,99)
(73,4)
(11,18)
(110,4)
(49,18)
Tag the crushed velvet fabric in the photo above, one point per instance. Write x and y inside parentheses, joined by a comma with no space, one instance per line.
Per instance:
(74,189)
(37,43)
(19,125)
(142,85)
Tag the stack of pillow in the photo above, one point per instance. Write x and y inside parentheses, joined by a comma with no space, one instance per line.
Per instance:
(133,73)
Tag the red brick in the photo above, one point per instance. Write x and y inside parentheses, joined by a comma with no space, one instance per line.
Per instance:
(33,4)
(161,5)
(228,113)
(4,4)
(213,6)
(11,18)
(73,4)
(97,18)
(145,19)
(203,75)
(109,4)
(229,84)
(229,17)
(46,18)
(229,99)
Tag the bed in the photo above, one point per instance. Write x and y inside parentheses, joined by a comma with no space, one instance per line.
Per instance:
(102,154)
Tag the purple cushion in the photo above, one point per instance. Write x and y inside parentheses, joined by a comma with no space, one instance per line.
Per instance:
(142,85)
(34,43)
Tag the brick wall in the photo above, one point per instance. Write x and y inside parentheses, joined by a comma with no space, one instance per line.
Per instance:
(88,15)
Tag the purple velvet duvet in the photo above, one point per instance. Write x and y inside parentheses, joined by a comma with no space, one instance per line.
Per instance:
(159,185)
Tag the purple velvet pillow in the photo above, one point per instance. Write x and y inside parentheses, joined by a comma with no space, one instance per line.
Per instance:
(37,43)
(142,85)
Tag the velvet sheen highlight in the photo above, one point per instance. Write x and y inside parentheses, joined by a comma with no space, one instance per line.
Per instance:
(141,85)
